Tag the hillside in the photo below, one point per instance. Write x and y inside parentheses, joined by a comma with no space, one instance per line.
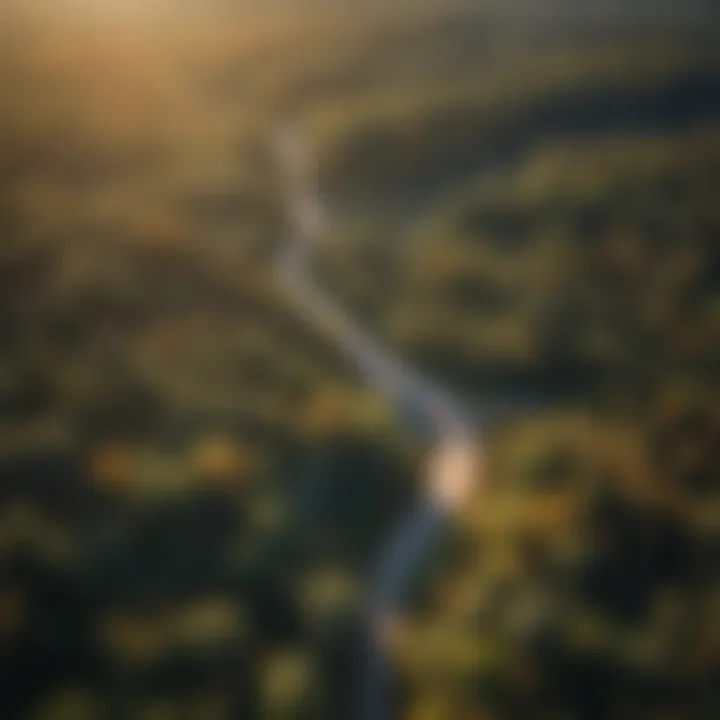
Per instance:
(192,479)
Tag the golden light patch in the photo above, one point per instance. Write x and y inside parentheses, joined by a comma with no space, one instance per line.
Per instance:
(551,512)
(326,414)
(112,465)
(220,461)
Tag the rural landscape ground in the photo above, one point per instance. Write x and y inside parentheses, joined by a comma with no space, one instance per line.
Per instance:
(524,204)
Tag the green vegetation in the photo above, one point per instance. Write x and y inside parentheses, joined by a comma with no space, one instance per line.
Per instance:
(191,479)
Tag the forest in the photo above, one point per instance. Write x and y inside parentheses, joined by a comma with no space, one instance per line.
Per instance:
(523,204)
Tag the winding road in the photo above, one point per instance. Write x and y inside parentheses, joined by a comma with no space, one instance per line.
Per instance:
(309,224)
(409,390)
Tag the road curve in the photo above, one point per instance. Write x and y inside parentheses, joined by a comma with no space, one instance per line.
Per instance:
(409,390)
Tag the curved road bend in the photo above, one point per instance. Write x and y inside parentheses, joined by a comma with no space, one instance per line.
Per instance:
(408,389)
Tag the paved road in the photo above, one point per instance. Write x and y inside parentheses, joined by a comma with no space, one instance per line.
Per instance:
(410,390)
